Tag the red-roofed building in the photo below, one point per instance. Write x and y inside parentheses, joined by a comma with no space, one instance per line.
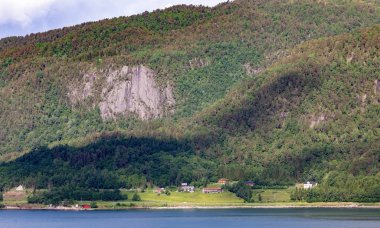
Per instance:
(86,206)
(212,190)
(223,181)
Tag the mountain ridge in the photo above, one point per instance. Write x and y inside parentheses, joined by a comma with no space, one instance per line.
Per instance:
(251,103)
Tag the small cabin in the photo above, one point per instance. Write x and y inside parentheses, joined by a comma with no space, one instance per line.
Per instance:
(212,190)
(223,181)
(186,188)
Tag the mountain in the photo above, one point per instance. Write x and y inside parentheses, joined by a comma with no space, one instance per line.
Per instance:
(272,91)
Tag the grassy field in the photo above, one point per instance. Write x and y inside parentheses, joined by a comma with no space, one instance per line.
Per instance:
(20,200)
(197,198)
(272,195)
(149,199)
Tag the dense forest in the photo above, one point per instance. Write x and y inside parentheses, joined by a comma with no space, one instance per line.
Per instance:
(276,92)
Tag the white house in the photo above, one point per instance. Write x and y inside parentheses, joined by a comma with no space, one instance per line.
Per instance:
(309,185)
(186,188)
(20,188)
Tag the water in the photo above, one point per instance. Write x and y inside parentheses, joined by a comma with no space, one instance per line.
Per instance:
(236,218)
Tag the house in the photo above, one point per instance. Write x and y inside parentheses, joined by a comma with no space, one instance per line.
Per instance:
(223,181)
(309,185)
(212,190)
(186,188)
(86,206)
(20,188)
(159,190)
(249,183)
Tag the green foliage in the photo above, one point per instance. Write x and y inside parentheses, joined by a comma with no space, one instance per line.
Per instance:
(136,197)
(346,188)
(245,107)
(6,62)
(241,190)
(167,192)
(299,194)
(93,205)
(202,51)
(59,195)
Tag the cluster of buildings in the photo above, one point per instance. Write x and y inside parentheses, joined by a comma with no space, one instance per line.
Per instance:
(207,190)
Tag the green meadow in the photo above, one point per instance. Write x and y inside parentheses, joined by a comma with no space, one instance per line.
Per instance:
(272,195)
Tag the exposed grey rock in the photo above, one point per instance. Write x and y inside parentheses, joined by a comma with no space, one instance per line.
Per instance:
(127,91)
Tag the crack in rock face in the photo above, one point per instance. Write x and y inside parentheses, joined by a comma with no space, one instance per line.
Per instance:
(131,91)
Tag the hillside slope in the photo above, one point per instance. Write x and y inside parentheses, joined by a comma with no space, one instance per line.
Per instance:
(312,115)
(69,83)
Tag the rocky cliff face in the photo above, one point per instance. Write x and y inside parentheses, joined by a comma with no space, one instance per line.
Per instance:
(125,91)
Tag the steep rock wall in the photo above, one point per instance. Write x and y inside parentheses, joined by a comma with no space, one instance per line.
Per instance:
(125,91)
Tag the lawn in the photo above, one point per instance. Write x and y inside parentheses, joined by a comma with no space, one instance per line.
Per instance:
(17,200)
(196,197)
(272,195)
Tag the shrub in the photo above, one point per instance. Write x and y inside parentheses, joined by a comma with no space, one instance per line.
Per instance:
(136,197)
(241,190)
(93,205)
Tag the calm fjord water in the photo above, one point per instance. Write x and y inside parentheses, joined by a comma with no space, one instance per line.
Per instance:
(195,218)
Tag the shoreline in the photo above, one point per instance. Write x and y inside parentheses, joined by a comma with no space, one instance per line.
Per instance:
(61,208)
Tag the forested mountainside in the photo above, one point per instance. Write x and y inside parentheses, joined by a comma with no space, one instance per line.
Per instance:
(271,91)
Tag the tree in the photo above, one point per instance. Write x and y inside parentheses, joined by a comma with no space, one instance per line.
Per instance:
(136,197)
(241,190)
(93,205)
